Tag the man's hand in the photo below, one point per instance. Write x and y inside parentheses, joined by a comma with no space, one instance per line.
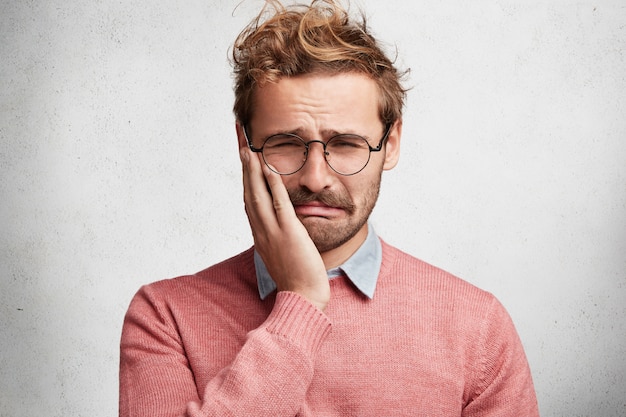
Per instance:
(280,238)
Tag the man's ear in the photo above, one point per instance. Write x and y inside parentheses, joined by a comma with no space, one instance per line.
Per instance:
(392,146)
(241,137)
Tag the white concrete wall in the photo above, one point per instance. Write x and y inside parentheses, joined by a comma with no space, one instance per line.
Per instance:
(119,167)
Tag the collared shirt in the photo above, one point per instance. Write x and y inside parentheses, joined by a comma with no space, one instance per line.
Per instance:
(361,268)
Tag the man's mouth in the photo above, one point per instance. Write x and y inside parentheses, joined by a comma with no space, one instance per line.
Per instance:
(318,209)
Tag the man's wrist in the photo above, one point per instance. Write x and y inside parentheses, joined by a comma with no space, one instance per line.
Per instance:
(297,319)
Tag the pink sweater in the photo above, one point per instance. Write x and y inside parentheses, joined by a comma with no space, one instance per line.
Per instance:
(428,344)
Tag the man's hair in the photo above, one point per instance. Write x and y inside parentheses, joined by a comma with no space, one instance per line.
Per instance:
(320,38)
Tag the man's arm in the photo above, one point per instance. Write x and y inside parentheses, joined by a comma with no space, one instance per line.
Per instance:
(271,373)
(503,385)
(269,376)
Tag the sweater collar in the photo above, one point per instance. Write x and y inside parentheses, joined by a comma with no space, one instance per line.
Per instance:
(361,268)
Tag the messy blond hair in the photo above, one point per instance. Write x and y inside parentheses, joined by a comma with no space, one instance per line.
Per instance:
(298,39)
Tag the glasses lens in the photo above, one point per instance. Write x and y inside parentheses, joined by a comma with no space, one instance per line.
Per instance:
(347,154)
(284,153)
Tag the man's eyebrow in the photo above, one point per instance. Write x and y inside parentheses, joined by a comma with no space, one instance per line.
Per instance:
(325,133)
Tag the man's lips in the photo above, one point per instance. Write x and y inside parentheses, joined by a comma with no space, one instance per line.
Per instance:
(317,209)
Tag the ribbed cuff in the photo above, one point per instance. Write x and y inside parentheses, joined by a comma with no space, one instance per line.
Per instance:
(297,320)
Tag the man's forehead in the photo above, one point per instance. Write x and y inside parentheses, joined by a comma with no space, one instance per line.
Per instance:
(320,95)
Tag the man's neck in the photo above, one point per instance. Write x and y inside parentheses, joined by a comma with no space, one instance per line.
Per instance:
(335,257)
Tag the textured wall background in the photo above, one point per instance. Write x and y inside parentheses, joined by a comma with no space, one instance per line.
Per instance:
(119,167)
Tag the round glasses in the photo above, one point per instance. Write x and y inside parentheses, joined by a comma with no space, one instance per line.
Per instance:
(346,154)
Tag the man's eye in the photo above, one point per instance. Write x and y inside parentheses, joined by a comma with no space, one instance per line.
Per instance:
(347,142)
(283,142)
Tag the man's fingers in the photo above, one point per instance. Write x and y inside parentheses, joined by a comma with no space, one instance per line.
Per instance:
(258,202)
(280,197)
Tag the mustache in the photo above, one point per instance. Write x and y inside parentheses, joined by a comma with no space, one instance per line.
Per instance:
(301,196)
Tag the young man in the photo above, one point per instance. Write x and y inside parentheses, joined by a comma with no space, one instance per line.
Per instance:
(320,318)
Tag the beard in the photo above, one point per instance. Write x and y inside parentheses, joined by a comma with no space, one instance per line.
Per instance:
(328,233)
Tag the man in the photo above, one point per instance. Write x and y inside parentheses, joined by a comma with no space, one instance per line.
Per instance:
(320,318)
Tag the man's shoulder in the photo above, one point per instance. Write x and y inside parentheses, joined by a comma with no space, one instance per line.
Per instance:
(241,264)
(433,291)
(416,272)
(233,274)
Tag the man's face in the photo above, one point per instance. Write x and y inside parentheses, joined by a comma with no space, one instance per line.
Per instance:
(333,208)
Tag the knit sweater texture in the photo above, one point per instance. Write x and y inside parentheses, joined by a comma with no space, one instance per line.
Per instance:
(427,344)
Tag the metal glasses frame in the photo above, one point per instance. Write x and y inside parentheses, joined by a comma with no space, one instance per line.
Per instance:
(306,145)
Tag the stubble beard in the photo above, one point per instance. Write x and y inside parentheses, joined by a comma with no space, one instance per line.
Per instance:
(329,234)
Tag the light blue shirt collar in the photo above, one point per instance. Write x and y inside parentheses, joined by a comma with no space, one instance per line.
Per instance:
(361,268)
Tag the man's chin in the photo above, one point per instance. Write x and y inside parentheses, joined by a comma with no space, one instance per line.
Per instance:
(327,234)
(312,220)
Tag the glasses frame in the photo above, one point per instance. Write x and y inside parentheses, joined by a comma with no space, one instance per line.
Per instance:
(306,145)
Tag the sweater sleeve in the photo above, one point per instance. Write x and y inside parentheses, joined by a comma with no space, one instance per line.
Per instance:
(269,376)
(502,384)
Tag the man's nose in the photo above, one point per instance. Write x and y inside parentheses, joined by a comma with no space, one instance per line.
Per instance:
(315,175)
